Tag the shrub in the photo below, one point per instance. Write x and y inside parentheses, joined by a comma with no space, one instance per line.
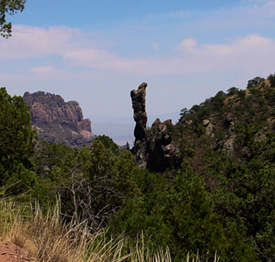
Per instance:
(255,82)
(271,79)
(232,91)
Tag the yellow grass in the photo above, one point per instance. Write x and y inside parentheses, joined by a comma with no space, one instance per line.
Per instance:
(48,239)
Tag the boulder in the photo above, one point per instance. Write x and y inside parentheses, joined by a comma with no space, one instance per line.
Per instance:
(205,122)
(209,130)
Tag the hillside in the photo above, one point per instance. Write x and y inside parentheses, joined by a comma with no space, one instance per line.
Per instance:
(202,188)
(228,143)
(220,123)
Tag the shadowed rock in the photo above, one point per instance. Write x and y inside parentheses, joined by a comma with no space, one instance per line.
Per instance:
(140,116)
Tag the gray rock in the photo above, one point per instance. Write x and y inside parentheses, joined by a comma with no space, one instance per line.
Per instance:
(209,130)
(205,122)
(229,146)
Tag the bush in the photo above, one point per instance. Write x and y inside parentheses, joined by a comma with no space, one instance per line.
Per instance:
(242,94)
(232,91)
(271,79)
(255,82)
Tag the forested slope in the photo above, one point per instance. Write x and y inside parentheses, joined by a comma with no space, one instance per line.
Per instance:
(216,197)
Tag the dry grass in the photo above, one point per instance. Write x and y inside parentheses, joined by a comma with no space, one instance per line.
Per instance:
(45,238)
(49,239)
(197,259)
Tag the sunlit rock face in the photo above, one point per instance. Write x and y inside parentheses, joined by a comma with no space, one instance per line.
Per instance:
(58,121)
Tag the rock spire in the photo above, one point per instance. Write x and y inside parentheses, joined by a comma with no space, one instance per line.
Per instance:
(140,116)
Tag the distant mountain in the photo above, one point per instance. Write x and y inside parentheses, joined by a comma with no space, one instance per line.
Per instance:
(58,121)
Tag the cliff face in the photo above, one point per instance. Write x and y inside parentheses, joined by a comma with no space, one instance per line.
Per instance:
(58,121)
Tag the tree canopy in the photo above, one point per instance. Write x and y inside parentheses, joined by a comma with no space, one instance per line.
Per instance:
(9,7)
(16,138)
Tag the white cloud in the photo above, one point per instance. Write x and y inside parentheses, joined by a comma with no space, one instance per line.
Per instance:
(184,56)
(179,14)
(90,57)
(28,41)
(188,45)
(244,52)
(44,69)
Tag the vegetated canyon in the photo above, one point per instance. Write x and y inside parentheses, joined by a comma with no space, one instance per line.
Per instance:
(203,186)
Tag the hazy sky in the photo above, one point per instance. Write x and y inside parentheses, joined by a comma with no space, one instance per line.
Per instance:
(96,52)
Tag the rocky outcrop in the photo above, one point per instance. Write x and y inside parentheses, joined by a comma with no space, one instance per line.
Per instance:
(58,121)
(160,147)
(157,152)
(209,128)
(153,149)
(140,116)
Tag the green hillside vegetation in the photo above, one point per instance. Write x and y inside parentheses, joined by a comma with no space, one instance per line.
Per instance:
(220,200)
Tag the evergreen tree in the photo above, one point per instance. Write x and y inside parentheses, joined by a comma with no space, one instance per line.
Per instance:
(9,7)
(17,141)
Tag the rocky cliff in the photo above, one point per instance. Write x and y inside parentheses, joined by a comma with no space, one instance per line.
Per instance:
(58,121)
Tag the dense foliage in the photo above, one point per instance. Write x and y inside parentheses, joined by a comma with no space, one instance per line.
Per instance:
(9,7)
(17,141)
(219,200)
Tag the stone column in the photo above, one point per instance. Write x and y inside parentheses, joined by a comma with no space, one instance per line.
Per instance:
(140,116)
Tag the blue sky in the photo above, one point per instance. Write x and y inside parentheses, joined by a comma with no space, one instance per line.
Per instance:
(96,52)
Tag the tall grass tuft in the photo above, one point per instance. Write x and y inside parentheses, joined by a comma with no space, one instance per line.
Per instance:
(47,238)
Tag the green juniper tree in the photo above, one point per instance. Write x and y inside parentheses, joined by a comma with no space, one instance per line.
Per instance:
(17,141)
